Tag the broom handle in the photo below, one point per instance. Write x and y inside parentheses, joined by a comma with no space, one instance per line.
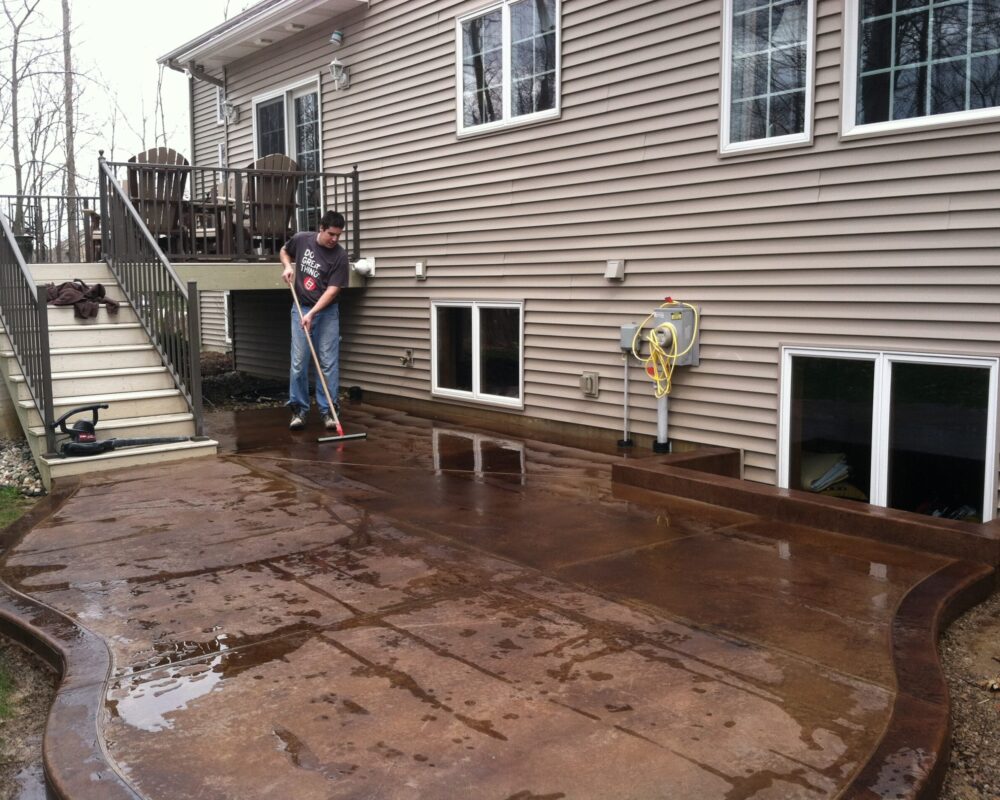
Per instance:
(319,369)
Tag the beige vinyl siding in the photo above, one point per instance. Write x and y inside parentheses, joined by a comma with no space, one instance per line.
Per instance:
(209,134)
(886,242)
(213,321)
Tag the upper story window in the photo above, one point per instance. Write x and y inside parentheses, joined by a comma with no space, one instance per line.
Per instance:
(508,64)
(767,87)
(921,63)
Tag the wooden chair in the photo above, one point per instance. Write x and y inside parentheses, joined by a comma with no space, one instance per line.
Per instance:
(270,197)
(158,194)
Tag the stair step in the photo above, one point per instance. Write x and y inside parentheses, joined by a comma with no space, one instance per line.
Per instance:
(112,289)
(66,315)
(126,379)
(55,468)
(90,272)
(134,427)
(96,334)
(113,356)
(121,404)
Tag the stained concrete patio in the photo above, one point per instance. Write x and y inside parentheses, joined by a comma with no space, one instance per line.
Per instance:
(439,612)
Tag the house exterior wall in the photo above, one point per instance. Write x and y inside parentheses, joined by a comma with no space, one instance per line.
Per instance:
(208,132)
(891,242)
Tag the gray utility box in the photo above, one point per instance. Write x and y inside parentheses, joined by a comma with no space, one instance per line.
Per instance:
(683,320)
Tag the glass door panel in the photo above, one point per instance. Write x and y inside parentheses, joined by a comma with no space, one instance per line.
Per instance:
(500,351)
(454,347)
(830,441)
(937,435)
(307,156)
(271,127)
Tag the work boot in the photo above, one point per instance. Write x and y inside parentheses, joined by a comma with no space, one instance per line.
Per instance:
(329,422)
(298,421)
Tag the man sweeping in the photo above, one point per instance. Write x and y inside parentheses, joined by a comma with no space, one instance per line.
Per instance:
(317,269)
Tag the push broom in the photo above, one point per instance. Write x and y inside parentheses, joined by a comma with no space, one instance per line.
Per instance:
(341,436)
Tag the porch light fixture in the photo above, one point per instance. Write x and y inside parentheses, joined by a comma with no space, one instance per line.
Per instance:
(341,75)
(231,112)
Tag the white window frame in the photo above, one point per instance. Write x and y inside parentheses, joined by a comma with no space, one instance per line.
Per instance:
(288,92)
(226,313)
(477,395)
(220,106)
(849,127)
(883,361)
(506,121)
(727,147)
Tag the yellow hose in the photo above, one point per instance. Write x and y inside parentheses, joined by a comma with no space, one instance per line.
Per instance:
(660,362)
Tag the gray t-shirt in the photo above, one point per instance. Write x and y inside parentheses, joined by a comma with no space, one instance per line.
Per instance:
(316,268)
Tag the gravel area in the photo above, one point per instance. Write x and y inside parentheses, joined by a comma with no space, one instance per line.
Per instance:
(970,653)
(17,468)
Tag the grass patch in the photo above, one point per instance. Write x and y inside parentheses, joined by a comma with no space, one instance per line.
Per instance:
(12,505)
(6,688)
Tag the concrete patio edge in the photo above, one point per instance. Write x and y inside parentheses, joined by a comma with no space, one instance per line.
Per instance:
(76,765)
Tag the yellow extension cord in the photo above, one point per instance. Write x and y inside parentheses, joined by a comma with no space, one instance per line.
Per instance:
(660,363)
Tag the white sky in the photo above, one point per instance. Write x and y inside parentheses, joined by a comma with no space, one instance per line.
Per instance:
(121,39)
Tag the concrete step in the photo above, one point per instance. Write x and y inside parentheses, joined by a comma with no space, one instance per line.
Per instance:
(54,468)
(121,405)
(91,382)
(92,272)
(97,335)
(132,427)
(70,359)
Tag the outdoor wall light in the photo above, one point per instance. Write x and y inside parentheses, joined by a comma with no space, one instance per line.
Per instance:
(231,112)
(341,75)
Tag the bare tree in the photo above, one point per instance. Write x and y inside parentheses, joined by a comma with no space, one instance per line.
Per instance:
(73,240)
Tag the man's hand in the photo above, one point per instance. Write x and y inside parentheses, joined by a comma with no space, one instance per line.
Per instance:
(289,274)
(307,322)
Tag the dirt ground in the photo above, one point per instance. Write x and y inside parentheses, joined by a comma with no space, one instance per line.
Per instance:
(21,732)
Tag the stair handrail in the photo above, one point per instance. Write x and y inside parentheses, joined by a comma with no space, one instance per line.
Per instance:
(166,307)
(24,312)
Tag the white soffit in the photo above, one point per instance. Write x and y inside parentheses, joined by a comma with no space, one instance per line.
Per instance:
(260,27)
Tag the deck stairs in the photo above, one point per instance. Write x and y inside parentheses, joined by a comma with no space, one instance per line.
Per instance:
(108,359)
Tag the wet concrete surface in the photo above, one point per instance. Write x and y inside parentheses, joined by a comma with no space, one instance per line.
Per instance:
(438,612)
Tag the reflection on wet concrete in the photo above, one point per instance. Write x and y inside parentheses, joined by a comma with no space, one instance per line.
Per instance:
(436,612)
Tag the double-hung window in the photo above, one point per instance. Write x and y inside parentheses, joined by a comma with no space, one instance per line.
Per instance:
(767,81)
(508,64)
(914,64)
(477,351)
(910,431)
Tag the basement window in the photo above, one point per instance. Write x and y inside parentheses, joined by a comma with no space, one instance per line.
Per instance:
(477,351)
(901,430)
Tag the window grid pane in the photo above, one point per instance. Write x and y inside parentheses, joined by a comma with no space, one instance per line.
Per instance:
(768,69)
(917,58)
(531,51)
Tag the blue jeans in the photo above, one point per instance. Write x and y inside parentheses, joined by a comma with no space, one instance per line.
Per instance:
(325,333)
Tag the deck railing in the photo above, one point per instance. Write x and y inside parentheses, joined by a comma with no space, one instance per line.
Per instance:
(217,213)
(24,312)
(166,308)
(52,228)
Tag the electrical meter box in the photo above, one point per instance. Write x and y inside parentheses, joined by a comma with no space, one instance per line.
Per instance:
(682,319)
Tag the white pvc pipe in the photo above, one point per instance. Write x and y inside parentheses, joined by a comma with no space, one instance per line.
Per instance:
(661,420)
(625,404)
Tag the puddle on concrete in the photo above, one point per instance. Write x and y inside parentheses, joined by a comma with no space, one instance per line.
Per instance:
(144,698)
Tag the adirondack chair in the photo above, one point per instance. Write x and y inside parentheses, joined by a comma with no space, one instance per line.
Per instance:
(158,194)
(270,201)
